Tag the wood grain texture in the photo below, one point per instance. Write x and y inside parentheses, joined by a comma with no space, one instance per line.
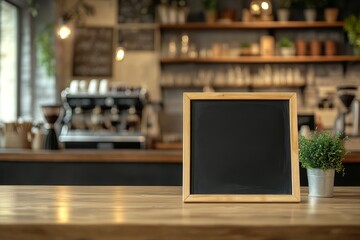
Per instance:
(251,25)
(109,213)
(239,96)
(168,146)
(239,85)
(352,157)
(294,151)
(186,145)
(263,59)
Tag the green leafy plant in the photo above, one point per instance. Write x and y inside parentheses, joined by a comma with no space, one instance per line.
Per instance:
(210,4)
(46,49)
(32,7)
(323,151)
(285,42)
(352,27)
(283,4)
(44,40)
(245,45)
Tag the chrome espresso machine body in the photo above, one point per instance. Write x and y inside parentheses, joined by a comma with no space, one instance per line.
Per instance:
(111,120)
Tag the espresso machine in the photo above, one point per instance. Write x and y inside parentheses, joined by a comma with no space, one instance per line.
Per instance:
(110,120)
(348,122)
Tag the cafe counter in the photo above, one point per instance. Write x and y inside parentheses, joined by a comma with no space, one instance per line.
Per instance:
(90,167)
(120,167)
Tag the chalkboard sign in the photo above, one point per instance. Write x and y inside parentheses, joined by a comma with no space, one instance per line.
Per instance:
(93,52)
(136,11)
(137,39)
(240,147)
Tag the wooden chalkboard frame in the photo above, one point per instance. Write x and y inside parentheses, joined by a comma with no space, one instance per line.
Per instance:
(295,181)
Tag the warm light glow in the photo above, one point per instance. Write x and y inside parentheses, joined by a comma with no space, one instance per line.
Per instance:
(62,203)
(120,54)
(255,7)
(64,31)
(119,207)
(185,38)
(265,5)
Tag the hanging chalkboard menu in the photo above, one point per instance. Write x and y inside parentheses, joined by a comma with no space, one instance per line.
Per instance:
(137,39)
(136,11)
(240,147)
(93,52)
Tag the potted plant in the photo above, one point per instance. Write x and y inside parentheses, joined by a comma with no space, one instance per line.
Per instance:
(322,155)
(352,27)
(331,12)
(283,10)
(286,47)
(245,49)
(210,7)
(310,10)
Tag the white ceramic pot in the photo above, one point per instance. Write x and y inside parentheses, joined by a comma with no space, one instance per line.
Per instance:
(287,51)
(283,15)
(321,182)
(310,15)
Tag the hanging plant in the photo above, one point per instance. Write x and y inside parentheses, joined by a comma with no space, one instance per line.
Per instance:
(32,8)
(352,27)
(45,38)
(46,52)
(44,44)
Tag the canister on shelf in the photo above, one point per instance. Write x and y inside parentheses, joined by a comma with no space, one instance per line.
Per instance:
(330,47)
(267,45)
(300,46)
(315,47)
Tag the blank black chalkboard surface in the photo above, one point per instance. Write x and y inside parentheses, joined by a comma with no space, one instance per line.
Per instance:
(240,147)
(93,52)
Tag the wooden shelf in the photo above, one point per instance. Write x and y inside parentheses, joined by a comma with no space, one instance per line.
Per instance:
(181,86)
(168,146)
(263,59)
(251,25)
(294,85)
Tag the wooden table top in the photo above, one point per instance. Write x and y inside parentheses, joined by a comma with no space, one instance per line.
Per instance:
(79,212)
